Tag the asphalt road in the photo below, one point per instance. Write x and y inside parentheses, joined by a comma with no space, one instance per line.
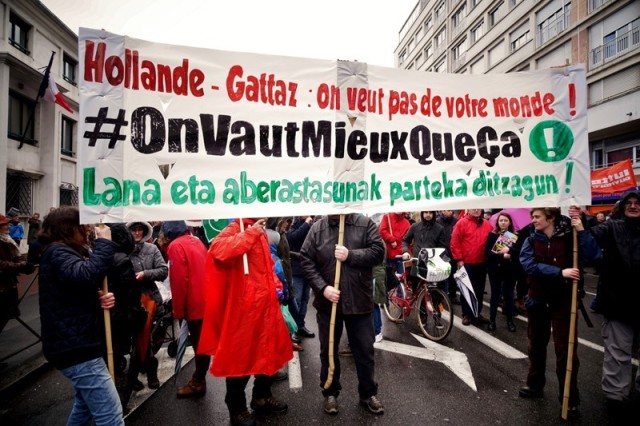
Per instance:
(472,378)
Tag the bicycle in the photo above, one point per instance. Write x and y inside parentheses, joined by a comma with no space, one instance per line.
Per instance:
(434,312)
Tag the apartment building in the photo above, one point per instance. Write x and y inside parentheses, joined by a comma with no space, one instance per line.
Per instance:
(483,36)
(37,141)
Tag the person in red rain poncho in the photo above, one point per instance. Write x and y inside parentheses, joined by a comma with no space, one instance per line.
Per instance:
(243,325)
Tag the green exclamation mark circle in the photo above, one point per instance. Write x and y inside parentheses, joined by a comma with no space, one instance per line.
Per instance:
(550,141)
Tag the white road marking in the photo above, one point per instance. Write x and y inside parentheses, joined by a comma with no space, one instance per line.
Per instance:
(492,342)
(295,373)
(166,371)
(455,361)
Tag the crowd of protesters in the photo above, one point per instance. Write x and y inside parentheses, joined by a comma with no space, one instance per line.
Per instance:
(232,291)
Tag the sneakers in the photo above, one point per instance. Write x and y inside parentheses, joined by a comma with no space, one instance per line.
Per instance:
(378,338)
(243,419)
(530,393)
(373,404)
(295,338)
(330,405)
(269,405)
(193,389)
(297,347)
(305,332)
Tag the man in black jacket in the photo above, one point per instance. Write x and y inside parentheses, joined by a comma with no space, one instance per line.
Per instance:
(362,249)
(618,297)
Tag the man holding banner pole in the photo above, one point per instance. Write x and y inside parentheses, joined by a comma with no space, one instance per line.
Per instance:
(547,259)
(361,251)
(618,299)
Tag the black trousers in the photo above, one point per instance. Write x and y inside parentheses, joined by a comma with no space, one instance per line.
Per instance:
(235,398)
(202,361)
(361,337)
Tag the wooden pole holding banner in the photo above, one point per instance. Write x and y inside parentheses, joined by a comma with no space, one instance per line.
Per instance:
(107,327)
(107,332)
(572,332)
(334,307)
(245,261)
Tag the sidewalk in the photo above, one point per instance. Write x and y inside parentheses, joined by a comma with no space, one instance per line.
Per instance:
(21,348)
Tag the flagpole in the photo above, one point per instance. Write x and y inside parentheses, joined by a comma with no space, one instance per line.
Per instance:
(572,333)
(43,87)
(334,306)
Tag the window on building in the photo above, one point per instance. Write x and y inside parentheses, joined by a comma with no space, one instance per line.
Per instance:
(496,14)
(616,156)
(402,57)
(428,24)
(19,193)
(66,137)
(418,59)
(620,40)
(19,35)
(69,69)
(68,195)
(412,44)
(428,51)
(477,32)
(440,38)
(553,24)
(597,160)
(440,12)
(419,33)
(440,67)
(20,109)
(519,37)
(459,49)
(459,16)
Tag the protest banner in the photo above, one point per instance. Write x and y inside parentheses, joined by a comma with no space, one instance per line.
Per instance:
(172,132)
(614,179)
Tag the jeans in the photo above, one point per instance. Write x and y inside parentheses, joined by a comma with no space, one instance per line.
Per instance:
(301,289)
(96,395)
(377,320)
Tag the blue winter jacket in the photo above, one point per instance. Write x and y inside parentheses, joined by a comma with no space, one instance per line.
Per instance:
(70,314)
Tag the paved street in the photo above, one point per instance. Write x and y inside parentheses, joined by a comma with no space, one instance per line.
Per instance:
(473,378)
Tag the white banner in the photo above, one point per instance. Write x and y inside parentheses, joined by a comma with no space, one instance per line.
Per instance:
(173,132)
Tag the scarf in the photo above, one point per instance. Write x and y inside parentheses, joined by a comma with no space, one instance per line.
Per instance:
(15,250)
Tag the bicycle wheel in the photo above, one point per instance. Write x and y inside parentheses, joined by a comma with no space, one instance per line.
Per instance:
(393,308)
(435,316)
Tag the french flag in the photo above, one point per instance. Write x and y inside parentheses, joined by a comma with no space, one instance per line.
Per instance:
(49,92)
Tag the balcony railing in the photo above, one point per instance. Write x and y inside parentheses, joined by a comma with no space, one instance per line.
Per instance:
(613,49)
(554,28)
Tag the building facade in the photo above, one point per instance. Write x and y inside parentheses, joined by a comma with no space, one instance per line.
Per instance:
(37,140)
(487,36)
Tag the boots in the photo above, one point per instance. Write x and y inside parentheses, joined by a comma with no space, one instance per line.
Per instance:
(194,389)
(152,373)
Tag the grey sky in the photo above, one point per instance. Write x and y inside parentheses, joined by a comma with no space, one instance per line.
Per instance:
(362,30)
